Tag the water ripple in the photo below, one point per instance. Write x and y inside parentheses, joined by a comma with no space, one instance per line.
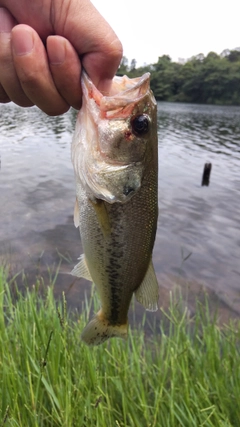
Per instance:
(37,190)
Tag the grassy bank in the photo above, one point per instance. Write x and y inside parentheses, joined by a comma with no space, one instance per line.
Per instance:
(187,376)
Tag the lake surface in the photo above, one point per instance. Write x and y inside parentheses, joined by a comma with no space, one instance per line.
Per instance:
(198,237)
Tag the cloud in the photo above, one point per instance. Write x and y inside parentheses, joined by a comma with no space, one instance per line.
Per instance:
(181,29)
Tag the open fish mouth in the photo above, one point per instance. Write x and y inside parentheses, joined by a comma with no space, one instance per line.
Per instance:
(124,94)
(111,147)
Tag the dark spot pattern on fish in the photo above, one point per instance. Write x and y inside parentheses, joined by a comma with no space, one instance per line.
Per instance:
(113,277)
(114,270)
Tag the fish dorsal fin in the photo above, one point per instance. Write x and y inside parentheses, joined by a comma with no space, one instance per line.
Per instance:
(147,293)
(81,269)
(76,214)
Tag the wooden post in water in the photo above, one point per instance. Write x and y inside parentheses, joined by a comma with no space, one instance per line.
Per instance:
(206,174)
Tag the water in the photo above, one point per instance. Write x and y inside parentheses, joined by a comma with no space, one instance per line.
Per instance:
(198,238)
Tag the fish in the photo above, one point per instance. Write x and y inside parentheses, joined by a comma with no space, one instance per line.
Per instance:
(115,161)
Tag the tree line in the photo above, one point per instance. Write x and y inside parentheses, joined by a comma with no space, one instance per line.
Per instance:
(211,79)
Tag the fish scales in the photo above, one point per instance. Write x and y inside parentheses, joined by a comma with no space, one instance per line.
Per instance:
(117,214)
(117,255)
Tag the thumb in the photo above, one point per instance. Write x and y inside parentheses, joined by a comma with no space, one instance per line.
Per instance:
(97,45)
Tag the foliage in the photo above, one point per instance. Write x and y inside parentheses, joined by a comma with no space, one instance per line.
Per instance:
(214,79)
(188,374)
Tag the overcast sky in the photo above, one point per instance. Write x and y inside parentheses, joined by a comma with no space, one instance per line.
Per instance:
(179,28)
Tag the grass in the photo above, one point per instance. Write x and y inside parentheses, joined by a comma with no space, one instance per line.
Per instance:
(189,376)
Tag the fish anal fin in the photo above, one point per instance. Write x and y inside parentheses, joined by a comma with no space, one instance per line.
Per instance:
(102,216)
(148,292)
(99,330)
(76,214)
(81,269)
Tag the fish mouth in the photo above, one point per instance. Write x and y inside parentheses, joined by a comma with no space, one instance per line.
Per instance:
(124,94)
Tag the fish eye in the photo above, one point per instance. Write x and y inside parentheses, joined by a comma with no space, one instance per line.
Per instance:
(140,124)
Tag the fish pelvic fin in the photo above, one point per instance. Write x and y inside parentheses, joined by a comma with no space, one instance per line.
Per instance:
(148,292)
(81,269)
(99,329)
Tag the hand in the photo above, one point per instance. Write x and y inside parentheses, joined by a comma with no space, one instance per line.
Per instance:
(43,46)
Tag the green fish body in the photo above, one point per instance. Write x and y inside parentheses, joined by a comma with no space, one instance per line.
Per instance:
(115,159)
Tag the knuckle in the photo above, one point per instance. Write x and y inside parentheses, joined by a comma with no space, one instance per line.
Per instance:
(28,78)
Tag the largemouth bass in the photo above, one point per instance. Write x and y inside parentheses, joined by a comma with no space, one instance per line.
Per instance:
(115,159)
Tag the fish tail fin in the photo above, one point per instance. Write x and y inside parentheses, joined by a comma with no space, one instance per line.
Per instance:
(99,330)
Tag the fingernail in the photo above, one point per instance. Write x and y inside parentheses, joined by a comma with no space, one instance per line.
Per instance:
(22,43)
(56,51)
(6,21)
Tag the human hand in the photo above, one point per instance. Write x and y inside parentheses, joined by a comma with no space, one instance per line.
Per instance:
(43,46)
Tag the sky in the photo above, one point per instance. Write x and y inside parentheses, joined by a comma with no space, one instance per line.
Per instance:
(178,28)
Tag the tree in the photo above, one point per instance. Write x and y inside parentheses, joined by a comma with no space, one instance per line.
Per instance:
(212,79)
(133,65)
(234,55)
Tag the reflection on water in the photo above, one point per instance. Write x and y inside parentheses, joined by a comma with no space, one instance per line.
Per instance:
(198,238)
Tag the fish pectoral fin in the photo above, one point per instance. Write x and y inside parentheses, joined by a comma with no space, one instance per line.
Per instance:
(76,214)
(81,269)
(148,292)
(99,329)
(102,216)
